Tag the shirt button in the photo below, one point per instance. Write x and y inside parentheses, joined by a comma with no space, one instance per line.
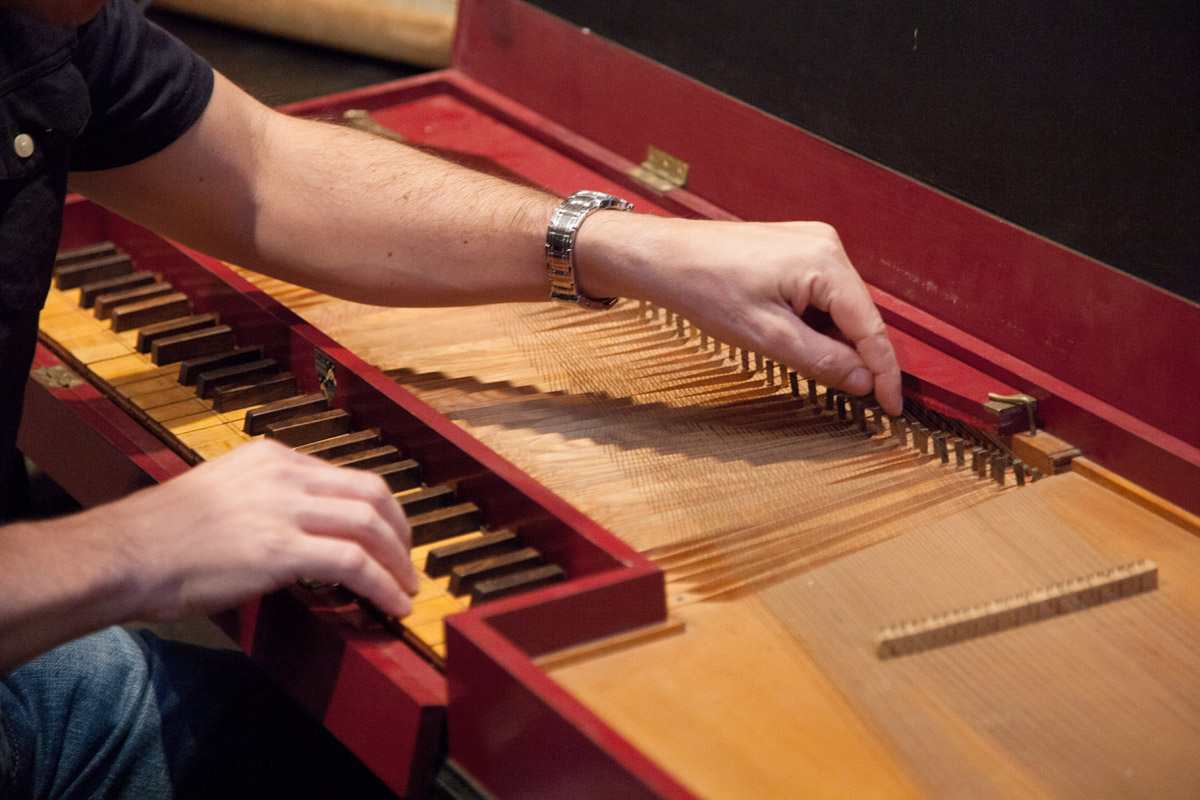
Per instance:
(23,145)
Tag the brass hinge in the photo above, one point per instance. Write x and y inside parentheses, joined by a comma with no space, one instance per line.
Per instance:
(661,171)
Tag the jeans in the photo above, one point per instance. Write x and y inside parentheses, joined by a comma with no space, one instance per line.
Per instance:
(123,714)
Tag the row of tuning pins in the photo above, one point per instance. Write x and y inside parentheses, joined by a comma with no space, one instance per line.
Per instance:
(986,462)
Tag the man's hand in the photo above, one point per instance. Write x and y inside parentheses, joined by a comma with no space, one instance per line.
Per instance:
(371,220)
(225,532)
(257,520)
(747,284)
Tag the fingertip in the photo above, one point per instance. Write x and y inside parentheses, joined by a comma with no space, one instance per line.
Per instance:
(859,381)
(889,396)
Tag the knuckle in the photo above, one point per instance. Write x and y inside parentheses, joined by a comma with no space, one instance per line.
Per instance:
(829,367)
(352,560)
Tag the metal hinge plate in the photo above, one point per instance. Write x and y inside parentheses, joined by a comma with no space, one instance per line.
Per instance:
(661,171)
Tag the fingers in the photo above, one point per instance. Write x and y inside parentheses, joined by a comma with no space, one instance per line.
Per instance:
(339,561)
(836,288)
(356,521)
(310,519)
(859,320)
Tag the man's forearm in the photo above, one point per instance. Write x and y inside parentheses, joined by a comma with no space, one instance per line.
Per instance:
(60,580)
(335,209)
(371,220)
(391,225)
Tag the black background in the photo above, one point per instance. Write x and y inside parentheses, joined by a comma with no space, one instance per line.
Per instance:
(1076,120)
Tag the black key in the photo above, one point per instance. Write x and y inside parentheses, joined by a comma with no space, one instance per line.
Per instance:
(160,330)
(525,580)
(273,387)
(85,271)
(88,292)
(464,577)
(258,419)
(306,430)
(443,523)
(236,375)
(191,370)
(445,558)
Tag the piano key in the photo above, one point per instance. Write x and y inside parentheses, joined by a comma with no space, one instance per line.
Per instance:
(341,445)
(442,560)
(366,459)
(400,475)
(74,275)
(272,387)
(237,375)
(88,292)
(442,523)
(191,369)
(258,419)
(464,577)
(525,580)
(147,312)
(159,330)
(433,610)
(180,347)
(106,303)
(314,428)
(426,499)
(92,251)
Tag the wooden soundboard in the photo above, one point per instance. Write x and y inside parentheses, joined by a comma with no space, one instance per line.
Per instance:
(772,683)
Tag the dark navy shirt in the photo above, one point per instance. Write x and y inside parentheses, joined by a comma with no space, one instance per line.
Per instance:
(107,94)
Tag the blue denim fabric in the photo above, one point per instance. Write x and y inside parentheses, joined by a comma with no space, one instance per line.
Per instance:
(123,714)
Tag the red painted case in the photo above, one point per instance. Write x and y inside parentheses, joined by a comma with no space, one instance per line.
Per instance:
(973,303)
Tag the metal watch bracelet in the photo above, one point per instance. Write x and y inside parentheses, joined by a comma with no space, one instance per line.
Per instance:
(560,246)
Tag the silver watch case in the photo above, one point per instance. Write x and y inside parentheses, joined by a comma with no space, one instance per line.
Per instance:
(560,246)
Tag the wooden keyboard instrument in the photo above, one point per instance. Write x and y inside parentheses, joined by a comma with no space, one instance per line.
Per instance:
(739,582)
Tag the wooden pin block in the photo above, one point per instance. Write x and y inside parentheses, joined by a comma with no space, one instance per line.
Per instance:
(306,430)
(1048,454)
(75,274)
(525,580)
(443,559)
(442,523)
(173,327)
(88,292)
(236,375)
(192,368)
(181,347)
(105,304)
(1010,612)
(270,388)
(159,309)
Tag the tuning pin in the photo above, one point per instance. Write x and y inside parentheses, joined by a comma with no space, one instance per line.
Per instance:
(939,447)
(979,462)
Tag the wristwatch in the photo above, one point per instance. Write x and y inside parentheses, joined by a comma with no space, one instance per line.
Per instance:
(560,246)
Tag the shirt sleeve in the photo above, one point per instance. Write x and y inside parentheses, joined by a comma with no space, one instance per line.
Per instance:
(146,88)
